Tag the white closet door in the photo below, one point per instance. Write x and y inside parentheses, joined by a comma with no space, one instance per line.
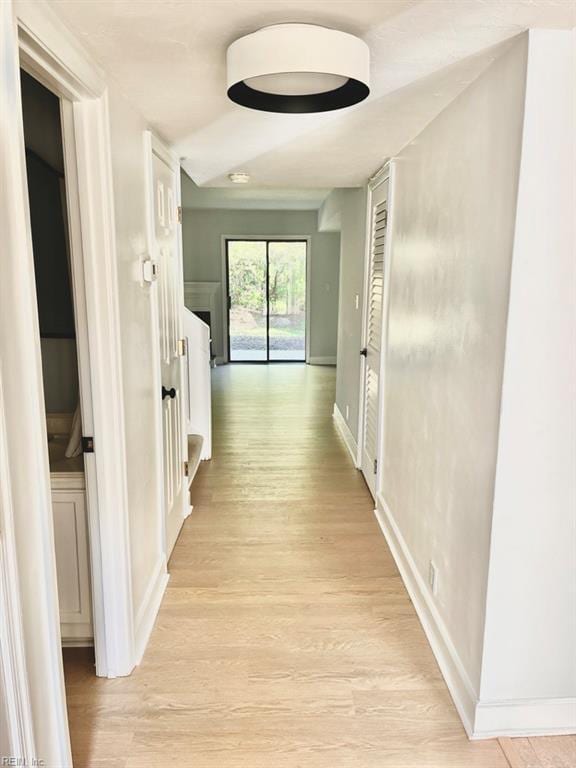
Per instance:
(373,333)
(170,307)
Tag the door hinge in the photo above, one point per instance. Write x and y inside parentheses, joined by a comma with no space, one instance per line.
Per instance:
(229,302)
(186,469)
(87,444)
(182,347)
(375,466)
(179,214)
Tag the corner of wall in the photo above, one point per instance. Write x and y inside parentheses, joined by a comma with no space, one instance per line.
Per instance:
(528,678)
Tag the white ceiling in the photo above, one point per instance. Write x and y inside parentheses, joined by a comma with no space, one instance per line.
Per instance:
(169,60)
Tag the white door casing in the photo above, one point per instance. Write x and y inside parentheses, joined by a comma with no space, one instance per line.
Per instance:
(28,551)
(51,54)
(373,335)
(166,252)
(16,732)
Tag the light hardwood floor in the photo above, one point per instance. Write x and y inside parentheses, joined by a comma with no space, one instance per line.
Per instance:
(286,638)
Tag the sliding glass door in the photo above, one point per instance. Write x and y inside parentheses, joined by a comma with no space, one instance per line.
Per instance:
(266,300)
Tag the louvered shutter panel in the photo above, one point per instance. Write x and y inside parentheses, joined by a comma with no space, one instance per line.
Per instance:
(377,277)
(374,336)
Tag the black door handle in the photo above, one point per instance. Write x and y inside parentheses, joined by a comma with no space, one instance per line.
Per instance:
(364,352)
(168,393)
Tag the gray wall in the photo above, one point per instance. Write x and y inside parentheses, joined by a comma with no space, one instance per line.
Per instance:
(452,235)
(345,209)
(478,475)
(202,232)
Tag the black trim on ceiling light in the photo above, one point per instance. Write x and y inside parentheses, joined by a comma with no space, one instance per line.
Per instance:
(352,92)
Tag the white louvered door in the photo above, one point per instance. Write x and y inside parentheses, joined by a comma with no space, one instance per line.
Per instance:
(373,334)
(170,303)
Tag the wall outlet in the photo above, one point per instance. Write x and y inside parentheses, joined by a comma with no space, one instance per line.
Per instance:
(433,578)
(347,412)
(357,301)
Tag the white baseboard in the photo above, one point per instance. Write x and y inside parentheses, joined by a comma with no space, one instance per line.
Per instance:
(455,676)
(322,360)
(346,434)
(149,608)
(525,717)
(481,719)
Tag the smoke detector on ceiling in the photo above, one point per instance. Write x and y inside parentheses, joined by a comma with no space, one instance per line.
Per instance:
(298,68)
(239,178)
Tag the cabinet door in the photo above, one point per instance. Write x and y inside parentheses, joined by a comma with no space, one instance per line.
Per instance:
(72,564)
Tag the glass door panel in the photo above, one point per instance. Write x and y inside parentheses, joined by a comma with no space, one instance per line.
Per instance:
(266,300)
(247,301)
(287,300)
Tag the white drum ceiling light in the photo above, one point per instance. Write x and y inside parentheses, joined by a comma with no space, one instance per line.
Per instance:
(298,68)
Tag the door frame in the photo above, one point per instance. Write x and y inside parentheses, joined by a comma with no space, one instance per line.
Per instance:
(35,709)
(225,311)
(385,173)
(51,54)
(14,683)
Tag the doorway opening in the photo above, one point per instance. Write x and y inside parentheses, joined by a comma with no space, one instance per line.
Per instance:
(48,195)
(266,302)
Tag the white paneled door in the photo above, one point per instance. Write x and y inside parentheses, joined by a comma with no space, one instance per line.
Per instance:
(373,334)
(170,307)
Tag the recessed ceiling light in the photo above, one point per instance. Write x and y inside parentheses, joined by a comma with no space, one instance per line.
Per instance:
(239,178)
(298,68)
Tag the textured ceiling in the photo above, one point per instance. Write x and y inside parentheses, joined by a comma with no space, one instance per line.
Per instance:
(169,60)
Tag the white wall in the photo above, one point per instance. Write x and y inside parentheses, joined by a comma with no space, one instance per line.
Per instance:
(453,227)
(60,374)
(202,232)
(530,645)
(344,210)
(138,338)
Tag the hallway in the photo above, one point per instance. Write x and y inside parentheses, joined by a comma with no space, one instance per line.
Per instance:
(286,638)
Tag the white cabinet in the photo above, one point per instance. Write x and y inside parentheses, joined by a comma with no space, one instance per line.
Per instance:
(72,560)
